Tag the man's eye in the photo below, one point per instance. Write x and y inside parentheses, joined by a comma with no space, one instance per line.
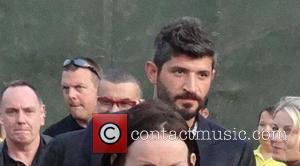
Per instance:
(29,111)
(203,74)
(79,87)
(178,72)
(65,89)
(10,111)
(274,128)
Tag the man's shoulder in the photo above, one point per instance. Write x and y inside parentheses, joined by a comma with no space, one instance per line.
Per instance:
(46,138)
(66,148)
(72,136)
(59,127)
(219,131)
(224,146)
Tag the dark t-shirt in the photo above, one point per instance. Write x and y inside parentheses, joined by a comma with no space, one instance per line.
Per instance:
(65,125)
(8,161)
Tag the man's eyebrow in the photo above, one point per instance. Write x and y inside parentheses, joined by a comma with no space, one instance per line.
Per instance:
(146,163)
(178,67)
(11,108)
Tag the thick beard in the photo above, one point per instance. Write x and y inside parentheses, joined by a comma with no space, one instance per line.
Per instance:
(164,95)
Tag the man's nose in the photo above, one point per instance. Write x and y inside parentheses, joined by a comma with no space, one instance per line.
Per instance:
(115,108)
(190,83)
(71,93)
(21,117)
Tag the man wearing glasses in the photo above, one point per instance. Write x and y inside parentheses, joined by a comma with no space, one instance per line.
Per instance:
(79,81)
(118,90)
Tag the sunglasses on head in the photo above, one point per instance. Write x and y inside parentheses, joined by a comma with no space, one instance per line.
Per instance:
(79,62)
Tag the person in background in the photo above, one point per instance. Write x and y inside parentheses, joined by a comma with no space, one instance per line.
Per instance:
(182,72)
(263,154)
(119,90)
(22,114)
(286,127)
(79,81)
(62,152)
(165,146)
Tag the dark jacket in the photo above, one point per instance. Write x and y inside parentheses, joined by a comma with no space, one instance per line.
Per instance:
(71,149)
(65,125)
(44,141)
(75,148)
(229,152)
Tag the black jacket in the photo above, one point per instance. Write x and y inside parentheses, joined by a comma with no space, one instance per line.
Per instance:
(72,149)
(65,125)
(215,152)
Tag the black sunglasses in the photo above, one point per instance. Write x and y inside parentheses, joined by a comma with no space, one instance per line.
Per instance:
(79,62)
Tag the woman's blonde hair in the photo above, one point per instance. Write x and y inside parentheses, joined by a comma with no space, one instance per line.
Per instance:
(291,105)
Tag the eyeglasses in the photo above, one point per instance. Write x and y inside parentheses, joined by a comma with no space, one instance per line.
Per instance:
(79,62)
(123,104)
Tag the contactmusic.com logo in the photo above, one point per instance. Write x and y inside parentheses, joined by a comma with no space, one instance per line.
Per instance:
(109,133)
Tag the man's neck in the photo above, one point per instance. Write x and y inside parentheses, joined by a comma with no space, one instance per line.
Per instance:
(23,153)
(191,122)
(82,123)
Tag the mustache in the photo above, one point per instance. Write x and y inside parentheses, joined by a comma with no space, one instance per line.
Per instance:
(188,95)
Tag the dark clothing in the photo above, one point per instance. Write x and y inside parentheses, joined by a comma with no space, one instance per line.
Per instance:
(72,149)
(65,125)
(75,148)
(6,160)
(214,152)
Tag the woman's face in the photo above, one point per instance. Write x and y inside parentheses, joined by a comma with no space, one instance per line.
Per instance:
(286,142)
(159,152)
(265,128)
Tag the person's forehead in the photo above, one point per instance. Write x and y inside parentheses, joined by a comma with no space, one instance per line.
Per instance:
(20,95)
(266,116)
(80,75)
(282,118)
(142,148)
(186,61)
(118,90)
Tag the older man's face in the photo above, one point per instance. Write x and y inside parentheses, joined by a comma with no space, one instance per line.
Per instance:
(22,115)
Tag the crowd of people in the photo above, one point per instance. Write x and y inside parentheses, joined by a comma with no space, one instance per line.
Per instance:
(181,72)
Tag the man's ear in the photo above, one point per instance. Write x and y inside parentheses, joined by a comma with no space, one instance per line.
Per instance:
(213,74)
(151,71)
(43,114)
(193,159)
(1,115)
(1,119)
